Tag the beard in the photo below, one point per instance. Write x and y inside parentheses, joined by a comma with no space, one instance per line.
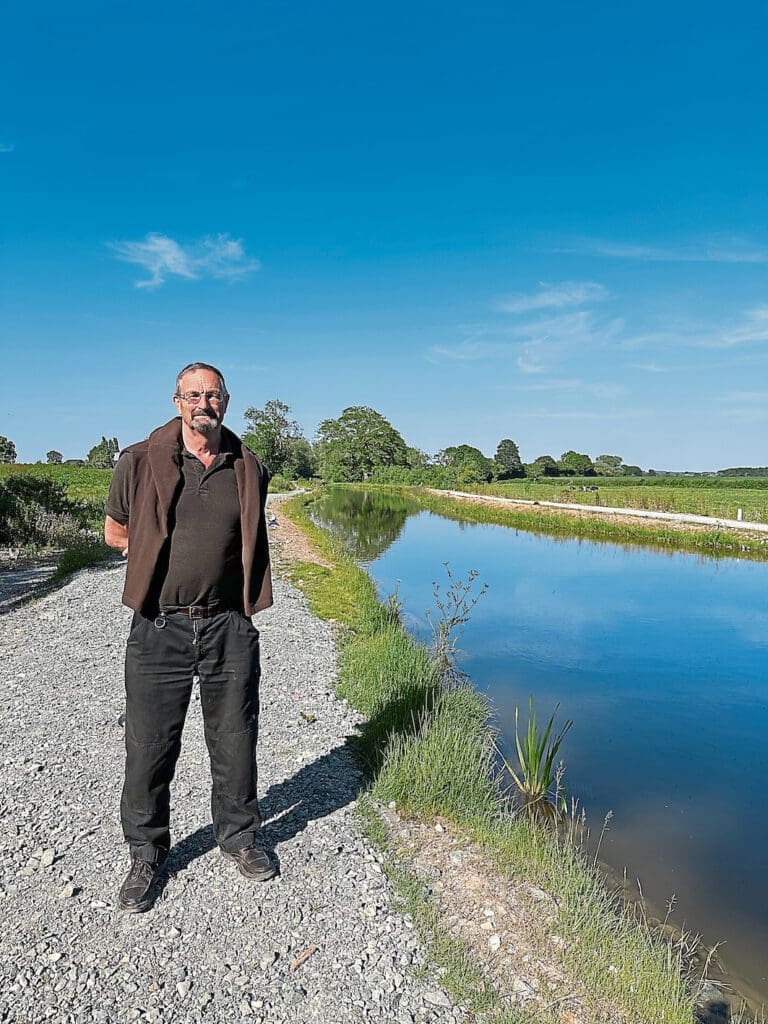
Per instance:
(205,423)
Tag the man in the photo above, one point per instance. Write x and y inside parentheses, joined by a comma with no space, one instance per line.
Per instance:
(186,507)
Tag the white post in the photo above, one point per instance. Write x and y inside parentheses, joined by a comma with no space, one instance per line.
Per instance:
(738,514)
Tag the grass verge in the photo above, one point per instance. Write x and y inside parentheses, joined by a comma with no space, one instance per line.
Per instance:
(460,974)
(430,748)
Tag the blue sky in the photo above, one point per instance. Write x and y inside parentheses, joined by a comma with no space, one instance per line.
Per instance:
(547,222)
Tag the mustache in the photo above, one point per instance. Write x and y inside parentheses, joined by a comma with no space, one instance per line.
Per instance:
(204,422)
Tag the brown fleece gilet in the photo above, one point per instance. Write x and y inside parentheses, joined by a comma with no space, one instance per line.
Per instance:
(155,485)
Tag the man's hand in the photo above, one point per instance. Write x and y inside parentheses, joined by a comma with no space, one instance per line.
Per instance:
(116,535)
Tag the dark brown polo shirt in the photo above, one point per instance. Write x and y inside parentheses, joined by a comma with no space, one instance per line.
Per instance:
(201,562)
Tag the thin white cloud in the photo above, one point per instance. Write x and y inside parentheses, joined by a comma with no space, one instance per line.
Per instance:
(747,414)
(750,327)
(754,327)
(7,147)
(537,343)
(746,397)
(533,358)
(733,251)
(552,385)
(582,414)
(572,385)
(555,296)
(548,341)
(468,351)
(650,368)
(217,256)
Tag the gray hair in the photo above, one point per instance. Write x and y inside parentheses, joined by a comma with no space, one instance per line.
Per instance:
(202,366)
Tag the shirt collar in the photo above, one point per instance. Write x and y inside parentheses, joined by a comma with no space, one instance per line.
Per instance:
(226,449)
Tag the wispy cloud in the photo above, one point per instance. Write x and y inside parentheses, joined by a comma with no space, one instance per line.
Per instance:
(567,386)
(748,328)
(729,251)
(583,414)
(536,344)
(650,368)
(748,397)
(7,147)
(217,256)
(468,351)
(554,296)
(754,327)
(533,358)
(747,413)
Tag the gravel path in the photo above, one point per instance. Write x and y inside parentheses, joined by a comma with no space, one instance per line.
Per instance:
(18,582)
(215,947)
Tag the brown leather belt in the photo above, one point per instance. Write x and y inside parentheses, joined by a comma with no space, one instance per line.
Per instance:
(199,611)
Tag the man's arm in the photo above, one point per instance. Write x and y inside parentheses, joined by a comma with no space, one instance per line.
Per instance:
(118,506)
(116,535)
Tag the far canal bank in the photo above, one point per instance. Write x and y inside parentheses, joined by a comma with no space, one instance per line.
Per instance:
(656,658)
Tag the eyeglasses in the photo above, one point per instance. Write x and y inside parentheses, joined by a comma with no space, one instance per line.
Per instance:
(195,397)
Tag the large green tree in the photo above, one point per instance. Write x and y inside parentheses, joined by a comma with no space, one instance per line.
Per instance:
(508,456)
(300,460)
(469,464)
(54,458)
(7,450)
(608,465)
(271,433)
(544,465)
(417,459)
(360,440)
(575,464)
(102,455)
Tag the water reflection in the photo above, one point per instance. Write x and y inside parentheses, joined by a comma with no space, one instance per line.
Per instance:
(658,657)
(366,522)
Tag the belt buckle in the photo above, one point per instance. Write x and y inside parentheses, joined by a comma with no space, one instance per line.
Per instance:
(196,611)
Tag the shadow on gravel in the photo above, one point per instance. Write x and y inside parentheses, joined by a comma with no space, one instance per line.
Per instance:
(180,856)
(36,580)
(315,791)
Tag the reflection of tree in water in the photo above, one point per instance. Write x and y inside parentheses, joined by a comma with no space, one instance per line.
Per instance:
(366,522)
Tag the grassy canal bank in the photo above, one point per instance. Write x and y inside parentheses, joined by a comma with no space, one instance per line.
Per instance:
(428,748)
(667,536)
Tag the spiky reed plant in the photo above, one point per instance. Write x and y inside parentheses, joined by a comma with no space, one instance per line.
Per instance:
(538,778)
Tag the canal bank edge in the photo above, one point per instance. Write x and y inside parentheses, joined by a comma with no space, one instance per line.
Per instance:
(536,919)
(717,539)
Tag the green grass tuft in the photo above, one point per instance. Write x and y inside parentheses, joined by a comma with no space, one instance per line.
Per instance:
(81,554)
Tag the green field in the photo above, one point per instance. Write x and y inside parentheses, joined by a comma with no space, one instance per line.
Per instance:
(82,484)
(694,495)
(705,496)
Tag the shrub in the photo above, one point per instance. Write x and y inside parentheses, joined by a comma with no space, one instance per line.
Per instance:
(280,483)
(82,552)
(35,510)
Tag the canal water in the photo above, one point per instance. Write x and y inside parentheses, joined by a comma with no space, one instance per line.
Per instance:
(660,660)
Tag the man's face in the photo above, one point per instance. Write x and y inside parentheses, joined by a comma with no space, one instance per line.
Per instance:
(205,416)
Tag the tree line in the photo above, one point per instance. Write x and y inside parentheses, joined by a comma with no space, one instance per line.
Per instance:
(100,456)
(361,444)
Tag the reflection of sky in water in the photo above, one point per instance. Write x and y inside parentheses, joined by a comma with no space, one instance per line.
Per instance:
(660,660)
